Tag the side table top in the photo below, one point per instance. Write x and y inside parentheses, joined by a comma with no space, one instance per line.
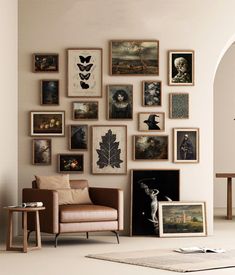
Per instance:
(24,209)
(225,175)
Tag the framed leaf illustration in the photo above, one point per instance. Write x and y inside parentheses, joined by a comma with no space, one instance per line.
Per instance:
(109,147)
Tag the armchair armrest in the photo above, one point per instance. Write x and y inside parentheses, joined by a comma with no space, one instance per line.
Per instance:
(49,218)
(111,197)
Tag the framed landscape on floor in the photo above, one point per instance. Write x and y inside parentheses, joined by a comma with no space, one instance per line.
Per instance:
(109,149)
(179,105)
(182,219)
(148,187)
(151,122)
(70,163)
(186,145)
(78,137)
(152,93)
(150,147)
(45,62)
(134,57)
(181,68)
(50,92)
(120,102)
(85,72)
(41,151)
(47,123)
(84,110)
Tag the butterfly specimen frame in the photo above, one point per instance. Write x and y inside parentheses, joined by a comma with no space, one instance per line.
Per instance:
(85,72)
(109,149)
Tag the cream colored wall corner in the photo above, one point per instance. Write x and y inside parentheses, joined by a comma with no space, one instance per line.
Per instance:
(54,26)
(8,108)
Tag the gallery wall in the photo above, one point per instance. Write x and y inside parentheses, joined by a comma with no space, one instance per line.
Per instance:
(55,25)
(224,124)
(8,108)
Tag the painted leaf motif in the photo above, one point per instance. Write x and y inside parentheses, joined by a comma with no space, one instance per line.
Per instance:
(109,154)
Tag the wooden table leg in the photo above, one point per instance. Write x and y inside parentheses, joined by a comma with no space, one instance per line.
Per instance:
(25,232)
(229,198)
(37,229)
(9,231)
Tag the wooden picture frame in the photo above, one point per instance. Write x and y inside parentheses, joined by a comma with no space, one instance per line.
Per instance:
(85,110)
(178,105)
(78,137)
(47,123)
(134,57)
(151,93)
(71,163)
(182,219)
(120,102)
(181,68)
(45,63)
(41,149)
(109,149)
(50,92)
(186,145)
(150,148)
(85,72)
(151,121)
(150,186)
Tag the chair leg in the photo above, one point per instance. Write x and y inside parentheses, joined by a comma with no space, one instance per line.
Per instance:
(56,237)
(117,236)
(87,235)
(29,234)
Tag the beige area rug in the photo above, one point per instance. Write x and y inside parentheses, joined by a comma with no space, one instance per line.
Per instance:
(170,260)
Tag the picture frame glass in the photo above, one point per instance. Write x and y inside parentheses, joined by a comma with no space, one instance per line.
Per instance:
(150,122)
(78,137)
(152,93)
(50,92)
(71,163)
(41,151)
(84,72)
(45,62)
(85,110)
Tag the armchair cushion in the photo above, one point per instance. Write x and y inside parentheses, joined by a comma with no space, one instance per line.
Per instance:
(74,196)
(53,182)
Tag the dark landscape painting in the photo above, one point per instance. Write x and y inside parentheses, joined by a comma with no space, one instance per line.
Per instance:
(78,137)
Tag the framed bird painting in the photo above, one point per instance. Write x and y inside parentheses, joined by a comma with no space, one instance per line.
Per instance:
(85,72)
(151,121)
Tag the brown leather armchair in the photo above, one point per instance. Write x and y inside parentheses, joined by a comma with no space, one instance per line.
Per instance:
(105,214)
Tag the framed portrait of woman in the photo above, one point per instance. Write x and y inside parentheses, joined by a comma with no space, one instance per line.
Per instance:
(120,102)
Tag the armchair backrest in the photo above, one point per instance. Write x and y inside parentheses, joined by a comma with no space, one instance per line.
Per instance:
(75,184)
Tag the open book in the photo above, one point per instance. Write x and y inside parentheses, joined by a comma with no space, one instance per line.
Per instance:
(196,249)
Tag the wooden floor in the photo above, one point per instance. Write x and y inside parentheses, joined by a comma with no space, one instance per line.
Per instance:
(68,257)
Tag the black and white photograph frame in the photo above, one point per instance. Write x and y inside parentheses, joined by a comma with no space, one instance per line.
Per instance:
(178,105)
(50,92)
(151,121)
(41,151)
(109,149)
(71,163)
(85,73)
(152,93)
(186,145)
(181,68)
(182,219)
(150,186)
(85,110)
(45,62)
(78,137)
(120,102)
(47,123)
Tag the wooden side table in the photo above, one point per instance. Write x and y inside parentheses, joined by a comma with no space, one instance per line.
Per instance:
(24,211)
(229,177)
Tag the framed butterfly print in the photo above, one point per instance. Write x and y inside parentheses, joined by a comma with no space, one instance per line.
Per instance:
(85,72)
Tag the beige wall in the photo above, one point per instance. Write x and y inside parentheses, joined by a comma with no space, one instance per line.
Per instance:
(8,108)
(54,25)
(224,124)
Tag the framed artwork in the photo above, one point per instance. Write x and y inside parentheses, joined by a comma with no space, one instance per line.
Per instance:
(120,102)
(182,219)
(109,149)
(148,188)
(186,145)
(181,68)
(151,122)
(45,62)
(152,93)
(70,163)
(134,57)
(41,151)
(150,147)
(78,137)
(50,92)
(179,105)
(83,110)
(47,123)
(85,72)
